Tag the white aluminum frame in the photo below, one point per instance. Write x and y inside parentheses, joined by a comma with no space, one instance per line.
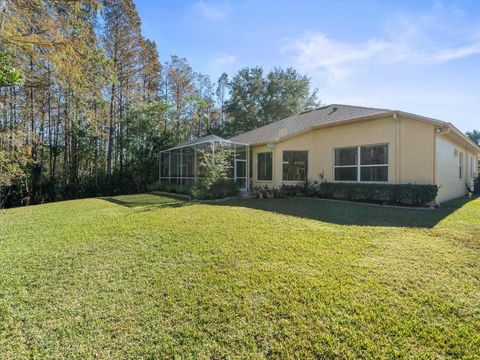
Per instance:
(359,166)
(179,177)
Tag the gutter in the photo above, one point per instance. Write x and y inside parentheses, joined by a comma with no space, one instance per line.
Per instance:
(441,132)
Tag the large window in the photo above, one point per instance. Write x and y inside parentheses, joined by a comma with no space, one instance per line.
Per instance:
(264,166)
(362,163)
(295,165)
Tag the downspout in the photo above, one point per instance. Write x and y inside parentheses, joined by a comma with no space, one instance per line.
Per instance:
(435,180)
(398,147)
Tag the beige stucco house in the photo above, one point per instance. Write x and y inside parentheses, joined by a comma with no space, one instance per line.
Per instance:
(358,144)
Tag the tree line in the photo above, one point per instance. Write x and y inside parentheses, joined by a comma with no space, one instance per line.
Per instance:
(86,104)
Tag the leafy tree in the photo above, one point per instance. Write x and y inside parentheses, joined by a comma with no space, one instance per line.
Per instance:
(256,100)
(144,138)
(122,38)
(474,135)
(9,76)
(221,93)
(150,71)
(14,161)
(86,105)
(214,167)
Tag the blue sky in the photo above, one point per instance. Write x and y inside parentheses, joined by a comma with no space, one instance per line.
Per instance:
(417,56)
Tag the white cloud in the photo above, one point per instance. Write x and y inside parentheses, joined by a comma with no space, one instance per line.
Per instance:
(461,52)
(213,12)
(316,53)
(225,60)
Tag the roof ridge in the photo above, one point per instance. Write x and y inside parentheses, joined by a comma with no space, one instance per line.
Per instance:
(363,107)
(319,108)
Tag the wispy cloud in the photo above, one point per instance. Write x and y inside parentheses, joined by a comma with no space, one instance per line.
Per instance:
(225,60)
(211,11)
(412,43)
(461,52)
(316,52)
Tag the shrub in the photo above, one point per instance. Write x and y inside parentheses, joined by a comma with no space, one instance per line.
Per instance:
(215,168)
(403,194)
(231,188)
(196,192)
(262,192)
(288,190)
(306,188)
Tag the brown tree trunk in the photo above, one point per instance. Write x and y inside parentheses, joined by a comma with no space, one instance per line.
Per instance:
(110,133)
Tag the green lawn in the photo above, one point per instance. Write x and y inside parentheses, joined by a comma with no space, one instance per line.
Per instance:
(146,276)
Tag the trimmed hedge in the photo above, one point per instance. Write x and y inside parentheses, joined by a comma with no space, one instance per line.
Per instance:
(402,194)
(395,194)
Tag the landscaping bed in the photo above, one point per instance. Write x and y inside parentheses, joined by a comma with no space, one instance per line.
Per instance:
(411,195)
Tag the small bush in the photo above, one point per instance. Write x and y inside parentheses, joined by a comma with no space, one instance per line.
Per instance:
(288,190)
(307,188)
(401,194)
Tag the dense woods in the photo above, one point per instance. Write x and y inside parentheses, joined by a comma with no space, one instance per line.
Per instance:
(86,103)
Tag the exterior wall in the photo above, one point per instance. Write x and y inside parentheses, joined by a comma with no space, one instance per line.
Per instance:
(417,157)
(448,177)
(410,147)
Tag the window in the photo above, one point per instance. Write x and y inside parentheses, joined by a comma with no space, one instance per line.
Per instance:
(362,163)
(295,165)
(374,163)
(264,166)
(346,164)
(460,165)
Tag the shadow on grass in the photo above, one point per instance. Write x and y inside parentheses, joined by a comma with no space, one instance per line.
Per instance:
(146,201)
(341,213)
(344,213)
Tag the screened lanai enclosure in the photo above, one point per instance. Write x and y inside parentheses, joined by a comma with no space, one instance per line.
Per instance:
(180,165)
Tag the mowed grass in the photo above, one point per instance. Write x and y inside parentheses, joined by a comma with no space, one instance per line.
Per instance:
(145,276)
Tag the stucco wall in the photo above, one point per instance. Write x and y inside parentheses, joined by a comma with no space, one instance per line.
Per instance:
(417,158)
(451,185)
(411,149)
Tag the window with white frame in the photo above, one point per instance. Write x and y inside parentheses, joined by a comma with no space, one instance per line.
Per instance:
(460,165)
(367,163)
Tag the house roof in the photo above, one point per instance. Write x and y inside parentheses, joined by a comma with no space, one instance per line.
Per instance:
(295,124)
(334,114)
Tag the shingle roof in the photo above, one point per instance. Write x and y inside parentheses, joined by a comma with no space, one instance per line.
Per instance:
(295,124)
